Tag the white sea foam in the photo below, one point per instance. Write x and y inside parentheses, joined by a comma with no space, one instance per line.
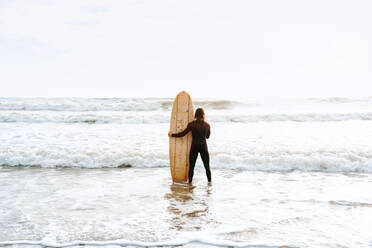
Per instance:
(157,110)
(104,104)
(330,135)
(212,241)
(253,147)
(152,104)
(141,207)
(70,207)
(80,104)
(329,161)
(93,117)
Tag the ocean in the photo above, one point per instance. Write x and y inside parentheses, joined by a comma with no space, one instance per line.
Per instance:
(286,172)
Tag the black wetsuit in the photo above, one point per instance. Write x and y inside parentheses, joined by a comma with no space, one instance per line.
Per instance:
(200,132)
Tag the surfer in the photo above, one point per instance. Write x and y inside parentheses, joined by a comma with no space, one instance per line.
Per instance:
(200,132)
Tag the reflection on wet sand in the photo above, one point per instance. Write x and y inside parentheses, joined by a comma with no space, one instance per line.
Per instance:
(188,207)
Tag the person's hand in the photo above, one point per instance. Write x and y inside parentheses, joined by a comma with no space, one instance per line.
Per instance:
(169,134)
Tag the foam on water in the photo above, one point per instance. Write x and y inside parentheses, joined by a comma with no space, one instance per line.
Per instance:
(103,104)
(156,110)
(80,104)
(151,117)
(324,201)
(323,148)
(141,207)
(206,240)
(318,134)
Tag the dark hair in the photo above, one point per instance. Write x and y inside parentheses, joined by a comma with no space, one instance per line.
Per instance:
(199,114)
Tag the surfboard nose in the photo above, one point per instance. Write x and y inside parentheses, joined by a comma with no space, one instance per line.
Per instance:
(183,92)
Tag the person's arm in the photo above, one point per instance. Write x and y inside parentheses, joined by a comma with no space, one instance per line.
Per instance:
(184,132)
(208,131)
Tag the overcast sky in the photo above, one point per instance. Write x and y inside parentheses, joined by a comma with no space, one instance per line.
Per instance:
(211,48)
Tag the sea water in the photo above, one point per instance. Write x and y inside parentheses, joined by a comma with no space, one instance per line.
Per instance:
(286,172)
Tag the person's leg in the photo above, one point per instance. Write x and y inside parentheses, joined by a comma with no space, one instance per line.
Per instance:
(192,159)
(205,157)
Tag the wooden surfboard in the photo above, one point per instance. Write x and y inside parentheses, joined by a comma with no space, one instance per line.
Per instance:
(179,148)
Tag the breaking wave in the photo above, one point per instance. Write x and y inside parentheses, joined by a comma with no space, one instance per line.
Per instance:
(66,132)
(266,160)
(103,104)
(133,117)
(156,104)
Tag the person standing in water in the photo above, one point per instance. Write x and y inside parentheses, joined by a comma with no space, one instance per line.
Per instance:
(200,132)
